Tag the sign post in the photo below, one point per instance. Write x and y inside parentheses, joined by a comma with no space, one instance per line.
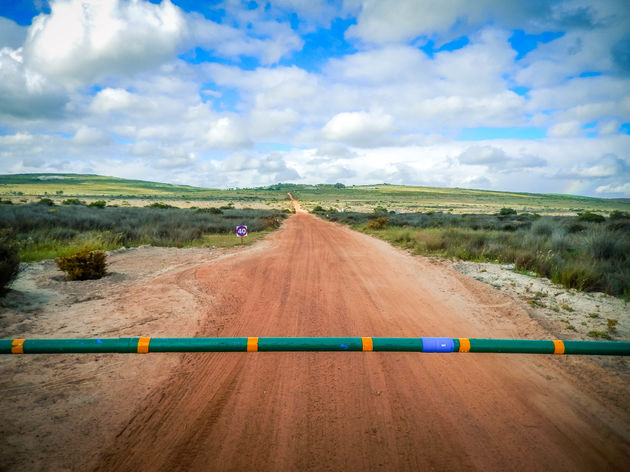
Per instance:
(241,232)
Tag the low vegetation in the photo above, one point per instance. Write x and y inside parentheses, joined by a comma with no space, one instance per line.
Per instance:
(9,261)
(86,264)
(44,231)
(589,253)
(357,197)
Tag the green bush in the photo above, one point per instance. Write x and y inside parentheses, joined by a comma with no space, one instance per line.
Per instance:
(9,263)
(507,211)
(72,201)
(46,201)
(619,215)
(98,204)
(592,217)
(318,208)
(160,205)
(84,265)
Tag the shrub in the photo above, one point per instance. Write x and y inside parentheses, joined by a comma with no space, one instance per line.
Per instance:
(98,204)
(611,324)
(603,244)
(378,223)
(84,265)
(429,241)
(318,208)
(379,210)
(271,222)
(559,241)
(542,228)
(160,205)
(72,201)
(9,263)
(575,228)
(507,211)
(619,215)
(599,334)
(46,201)
(592,217)
(577,274)
(211,210)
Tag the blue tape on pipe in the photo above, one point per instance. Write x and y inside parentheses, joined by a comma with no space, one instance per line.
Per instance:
(438,345)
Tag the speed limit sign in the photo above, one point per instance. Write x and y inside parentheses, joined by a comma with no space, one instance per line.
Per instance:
(241,231)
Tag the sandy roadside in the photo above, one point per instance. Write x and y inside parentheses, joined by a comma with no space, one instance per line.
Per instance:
(562,313)
(58,410)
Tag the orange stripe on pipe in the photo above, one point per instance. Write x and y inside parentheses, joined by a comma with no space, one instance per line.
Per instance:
(252,344)
(558,347)
(17,346)
(367,344)
(143,345)
(464,345)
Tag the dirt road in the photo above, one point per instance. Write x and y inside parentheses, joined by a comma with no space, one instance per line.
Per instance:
(365,411)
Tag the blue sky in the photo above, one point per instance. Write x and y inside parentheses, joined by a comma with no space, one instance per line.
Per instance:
(524,96)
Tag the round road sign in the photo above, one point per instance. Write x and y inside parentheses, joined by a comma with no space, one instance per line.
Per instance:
(241,231)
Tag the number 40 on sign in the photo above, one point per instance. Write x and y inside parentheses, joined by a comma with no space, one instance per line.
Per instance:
(241,231)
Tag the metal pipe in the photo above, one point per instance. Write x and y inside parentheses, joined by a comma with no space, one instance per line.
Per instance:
(243,344)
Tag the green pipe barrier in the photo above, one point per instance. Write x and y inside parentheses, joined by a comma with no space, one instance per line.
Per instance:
(243,344)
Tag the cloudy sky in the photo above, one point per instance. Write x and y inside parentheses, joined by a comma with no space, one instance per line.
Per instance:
(529,95)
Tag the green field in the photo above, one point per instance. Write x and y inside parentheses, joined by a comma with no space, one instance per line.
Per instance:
(20,187)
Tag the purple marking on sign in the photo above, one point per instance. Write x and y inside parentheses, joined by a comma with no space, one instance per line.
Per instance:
(241,231)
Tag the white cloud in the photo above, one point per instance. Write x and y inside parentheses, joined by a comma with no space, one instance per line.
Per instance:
(277,39)
(401,20)
(609,165)
(16,139)
(225,133)
(25,94)
(85,40)
(496,159)
(109,99)
(565,129)
(482,155)
(358,128)
(335,150)
(385,112)
(243,169)
(86,136)
(621,189)
(175,159)
(609,127)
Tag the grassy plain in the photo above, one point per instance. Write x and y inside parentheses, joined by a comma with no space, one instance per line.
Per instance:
(587,252)
(361,198)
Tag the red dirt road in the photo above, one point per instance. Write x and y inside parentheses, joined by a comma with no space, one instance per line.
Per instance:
(364,411)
